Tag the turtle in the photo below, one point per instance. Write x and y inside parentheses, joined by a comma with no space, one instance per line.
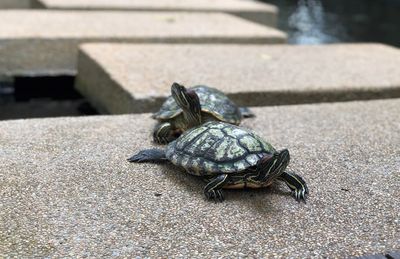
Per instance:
(187,108)
(227,156)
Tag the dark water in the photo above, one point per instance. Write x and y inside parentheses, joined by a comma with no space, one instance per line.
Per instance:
(331,21)
(43,96)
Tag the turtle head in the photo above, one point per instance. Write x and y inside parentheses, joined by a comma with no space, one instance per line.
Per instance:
(189,102)
(272,166)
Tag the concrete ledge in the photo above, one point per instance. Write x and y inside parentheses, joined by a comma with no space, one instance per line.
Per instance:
(123,78)
(263,13)
(15,4)
(67,190)
(45,42)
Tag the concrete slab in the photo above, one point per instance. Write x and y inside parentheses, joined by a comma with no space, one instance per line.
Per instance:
(15,4)
(43,109)
(254,11)
(120,78)
(46,42)
(67,190)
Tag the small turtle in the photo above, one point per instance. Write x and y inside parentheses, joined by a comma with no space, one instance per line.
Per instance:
(227,156)
(187,108)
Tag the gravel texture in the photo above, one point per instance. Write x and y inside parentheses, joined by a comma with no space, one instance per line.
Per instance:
(255,11)
(46,42)
(66,189)
(123,78)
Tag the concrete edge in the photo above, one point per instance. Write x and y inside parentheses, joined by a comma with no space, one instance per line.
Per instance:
(37,4)
(15,4)
(107,97)
(58,64)
(272,98)
(259,17)
(109,93)
(264,16)
(87,66)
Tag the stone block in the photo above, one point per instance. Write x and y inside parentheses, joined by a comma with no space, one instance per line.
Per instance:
(68,191)
(123,78)
(15,4)
(263,13)
(46,42)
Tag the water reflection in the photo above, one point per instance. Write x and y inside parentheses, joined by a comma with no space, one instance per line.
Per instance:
(310,24)
(329,21)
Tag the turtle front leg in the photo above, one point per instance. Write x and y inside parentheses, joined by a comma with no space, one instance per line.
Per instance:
(296,184)
(246,112)
(163,133)
(213,189)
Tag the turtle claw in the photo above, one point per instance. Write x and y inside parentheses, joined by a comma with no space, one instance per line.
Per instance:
(215,195)
(301,194)
(296,184)
(213,189)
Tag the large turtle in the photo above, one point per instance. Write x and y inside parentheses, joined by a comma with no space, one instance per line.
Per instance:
(187,108)
(227,156)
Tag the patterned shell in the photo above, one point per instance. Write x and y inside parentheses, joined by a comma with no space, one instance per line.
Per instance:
(217,147)
(212,101)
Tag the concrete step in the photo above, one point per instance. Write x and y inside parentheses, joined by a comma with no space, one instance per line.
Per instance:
(44,108)
(68,191)
(44,42)
(123,78)
(263,13)
(15,4)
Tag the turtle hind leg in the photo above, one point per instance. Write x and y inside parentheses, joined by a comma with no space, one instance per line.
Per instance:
(163,133)
(246,112)
(148,155)
(213,189)
(296,184)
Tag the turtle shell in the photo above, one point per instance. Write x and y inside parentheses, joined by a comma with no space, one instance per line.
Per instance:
(212,101)
(217,147)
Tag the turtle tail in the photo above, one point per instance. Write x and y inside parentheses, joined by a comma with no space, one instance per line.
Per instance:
(153,155)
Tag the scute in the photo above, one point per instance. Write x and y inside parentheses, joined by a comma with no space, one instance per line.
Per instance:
(169,109)
(232,151)
(186,139)
(218,104)
(250,143)
(213,102)
(217,147)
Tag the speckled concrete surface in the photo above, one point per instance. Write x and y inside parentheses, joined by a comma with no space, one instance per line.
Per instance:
(255,11)
(67,190)
(45,42)
(121,78)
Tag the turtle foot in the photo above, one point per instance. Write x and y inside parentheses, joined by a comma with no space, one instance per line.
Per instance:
(215,195)
(295,183)
(213,189)
(300,194)
(163,133)
(246,112)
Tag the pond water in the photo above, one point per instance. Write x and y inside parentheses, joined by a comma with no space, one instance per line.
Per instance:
(41,96)
(331,21)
